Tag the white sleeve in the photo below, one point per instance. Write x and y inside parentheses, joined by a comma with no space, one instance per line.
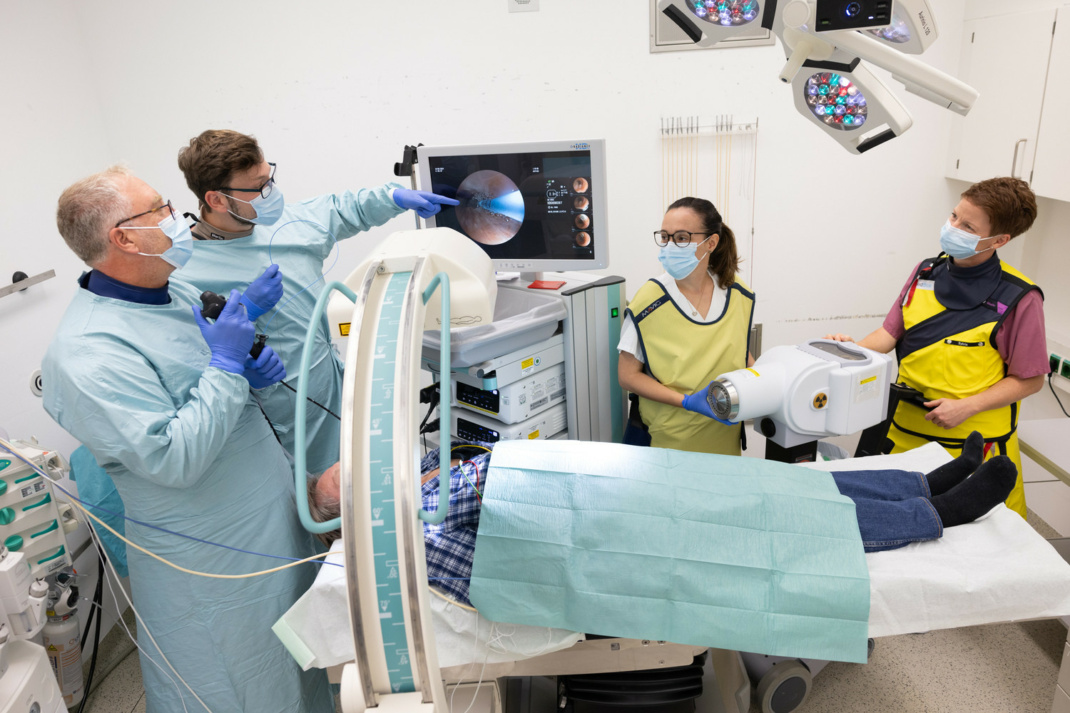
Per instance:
(629,339)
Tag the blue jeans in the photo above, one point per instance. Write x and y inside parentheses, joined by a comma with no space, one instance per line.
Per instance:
(892,506)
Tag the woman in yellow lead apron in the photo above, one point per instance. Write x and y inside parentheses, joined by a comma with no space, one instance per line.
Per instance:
(682,330)
(968,331)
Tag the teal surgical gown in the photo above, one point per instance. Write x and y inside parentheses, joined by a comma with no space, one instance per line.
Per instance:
(299,250)
(189,451)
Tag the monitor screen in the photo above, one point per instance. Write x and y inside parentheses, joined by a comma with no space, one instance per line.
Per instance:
(531,207)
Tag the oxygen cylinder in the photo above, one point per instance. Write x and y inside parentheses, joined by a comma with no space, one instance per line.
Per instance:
(65,655)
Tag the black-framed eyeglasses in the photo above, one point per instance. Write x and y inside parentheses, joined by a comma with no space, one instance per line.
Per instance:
(680,237)
(166,205)
(264,190)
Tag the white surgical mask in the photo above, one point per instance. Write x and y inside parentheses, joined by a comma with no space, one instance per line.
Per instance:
(181,249)
(268,210)
(679,261)
(958,243)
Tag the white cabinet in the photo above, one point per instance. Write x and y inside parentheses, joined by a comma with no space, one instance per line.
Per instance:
(1051,177)
(1006,59)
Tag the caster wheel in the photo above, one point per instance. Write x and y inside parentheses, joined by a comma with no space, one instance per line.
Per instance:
(785,687)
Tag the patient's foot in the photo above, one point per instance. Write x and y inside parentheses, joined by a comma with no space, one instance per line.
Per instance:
(951,474)
(989,486)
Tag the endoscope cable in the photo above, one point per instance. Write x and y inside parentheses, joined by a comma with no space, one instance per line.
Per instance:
(82,505)
(334,247)
(142,626)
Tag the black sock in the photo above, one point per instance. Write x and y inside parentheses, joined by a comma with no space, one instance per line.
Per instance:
(951,474)
(989,486)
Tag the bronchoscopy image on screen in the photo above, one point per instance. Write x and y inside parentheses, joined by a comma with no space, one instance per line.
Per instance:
(522,206)
(492,209)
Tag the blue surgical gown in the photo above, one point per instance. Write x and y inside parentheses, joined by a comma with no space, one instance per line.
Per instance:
(299,249)
(189,451)
(96,488)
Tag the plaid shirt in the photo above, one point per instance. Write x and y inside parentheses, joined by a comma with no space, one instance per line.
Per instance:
(450,545)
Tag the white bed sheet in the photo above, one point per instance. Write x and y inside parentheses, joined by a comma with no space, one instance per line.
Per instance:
(316,628)
(994,570)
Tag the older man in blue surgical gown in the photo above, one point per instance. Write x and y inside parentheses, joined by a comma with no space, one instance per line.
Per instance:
(245,225)
(162,399)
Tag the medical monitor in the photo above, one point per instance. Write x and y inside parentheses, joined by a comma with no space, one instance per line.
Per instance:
(533,207)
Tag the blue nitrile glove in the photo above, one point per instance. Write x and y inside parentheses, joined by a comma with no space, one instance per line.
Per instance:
(697,403)
(230,337)
(425,204)
(263,293)
(265,370)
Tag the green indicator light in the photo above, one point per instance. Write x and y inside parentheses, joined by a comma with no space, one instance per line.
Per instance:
(613,312)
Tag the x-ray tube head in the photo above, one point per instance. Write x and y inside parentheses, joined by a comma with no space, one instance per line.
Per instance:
(815,389)
(747,393)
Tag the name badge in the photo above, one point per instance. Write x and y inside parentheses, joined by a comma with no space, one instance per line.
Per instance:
(926,285)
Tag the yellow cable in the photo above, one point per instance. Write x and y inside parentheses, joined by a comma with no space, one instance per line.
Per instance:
(190,571)
(470,445)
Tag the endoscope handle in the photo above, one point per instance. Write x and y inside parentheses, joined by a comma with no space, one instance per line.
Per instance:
(212,306)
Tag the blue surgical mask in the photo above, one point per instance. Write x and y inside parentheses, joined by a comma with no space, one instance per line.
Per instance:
(181,249)
(679,261)
(268,210)
(958,243)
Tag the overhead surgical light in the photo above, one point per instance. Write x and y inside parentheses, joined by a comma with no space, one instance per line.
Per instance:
(828,44)
(727,13)
(912,29)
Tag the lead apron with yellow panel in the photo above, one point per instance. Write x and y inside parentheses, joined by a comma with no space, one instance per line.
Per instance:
(686,355)
(951,353)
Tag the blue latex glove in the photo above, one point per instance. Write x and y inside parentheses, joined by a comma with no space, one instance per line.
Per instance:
(696,403)
(265,370)
(230,337)
(425,204)
(263,293)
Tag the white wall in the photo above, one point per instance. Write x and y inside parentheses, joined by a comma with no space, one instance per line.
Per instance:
(53,133)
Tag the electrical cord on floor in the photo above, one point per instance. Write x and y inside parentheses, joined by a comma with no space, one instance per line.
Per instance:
(1057,399)
(98,600)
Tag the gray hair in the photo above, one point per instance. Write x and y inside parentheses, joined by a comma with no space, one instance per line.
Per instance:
(323,508)
(88,210)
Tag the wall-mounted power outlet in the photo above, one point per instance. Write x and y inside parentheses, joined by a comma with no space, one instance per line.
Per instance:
(1060,369)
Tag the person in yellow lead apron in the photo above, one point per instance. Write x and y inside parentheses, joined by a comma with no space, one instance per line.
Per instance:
(968,331)
(684,329)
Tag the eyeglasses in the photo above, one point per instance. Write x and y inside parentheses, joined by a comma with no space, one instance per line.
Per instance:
(265,188)
(166,205)
(680,237)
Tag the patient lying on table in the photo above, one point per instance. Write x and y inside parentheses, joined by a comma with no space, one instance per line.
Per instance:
(893,507)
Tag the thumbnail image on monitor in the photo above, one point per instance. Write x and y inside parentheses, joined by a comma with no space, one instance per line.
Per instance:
(532,207)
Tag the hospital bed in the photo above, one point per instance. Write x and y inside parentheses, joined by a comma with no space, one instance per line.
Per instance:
(404,641)
(997,569)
